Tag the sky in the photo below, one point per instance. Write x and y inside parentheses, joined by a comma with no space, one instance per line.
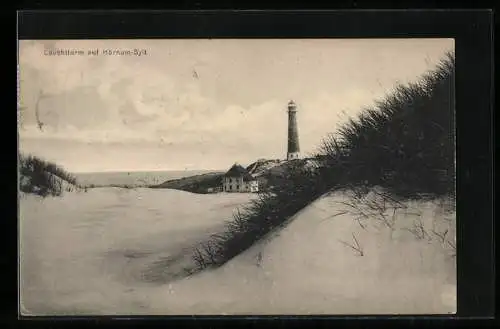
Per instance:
(201,103)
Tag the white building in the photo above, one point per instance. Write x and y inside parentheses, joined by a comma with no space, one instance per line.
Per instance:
(237,179)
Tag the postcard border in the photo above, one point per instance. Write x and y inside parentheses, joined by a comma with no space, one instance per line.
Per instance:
(472,31)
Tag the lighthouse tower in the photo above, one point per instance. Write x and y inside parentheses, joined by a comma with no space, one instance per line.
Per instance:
(293,133)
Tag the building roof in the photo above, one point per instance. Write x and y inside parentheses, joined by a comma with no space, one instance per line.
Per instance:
(238,171)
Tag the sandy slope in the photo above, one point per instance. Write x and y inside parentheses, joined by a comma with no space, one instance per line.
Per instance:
(304,268)
(81,252)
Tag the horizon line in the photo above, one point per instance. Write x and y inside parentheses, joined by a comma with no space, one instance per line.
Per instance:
(135,170)
(184,169)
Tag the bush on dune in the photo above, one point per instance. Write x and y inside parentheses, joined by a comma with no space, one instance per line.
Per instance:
(267,212)
(404,144)
(41,177)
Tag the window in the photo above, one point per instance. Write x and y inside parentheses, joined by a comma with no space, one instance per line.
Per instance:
(237,187)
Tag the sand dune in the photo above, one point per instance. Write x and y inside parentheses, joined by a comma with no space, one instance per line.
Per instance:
(307,269)
(90,247)
(105,254)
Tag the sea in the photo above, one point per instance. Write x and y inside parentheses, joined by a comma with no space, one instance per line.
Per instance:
(134,178)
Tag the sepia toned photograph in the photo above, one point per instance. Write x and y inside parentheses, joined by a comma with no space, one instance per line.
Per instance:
(236,177)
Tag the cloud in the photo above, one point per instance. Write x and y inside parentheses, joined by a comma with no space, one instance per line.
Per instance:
(235,109)
(195,121)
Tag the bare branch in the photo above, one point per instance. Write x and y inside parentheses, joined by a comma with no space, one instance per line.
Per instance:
(441,236)
(358,219)
(334,215)
(452,245)
(356,247)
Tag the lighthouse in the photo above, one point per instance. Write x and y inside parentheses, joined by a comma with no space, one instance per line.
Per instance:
(293,133)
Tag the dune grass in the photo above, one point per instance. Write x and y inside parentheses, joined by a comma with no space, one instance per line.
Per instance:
(41,177)
(404,144)
(194,184)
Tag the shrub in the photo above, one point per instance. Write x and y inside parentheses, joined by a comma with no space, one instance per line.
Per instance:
(41,177)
